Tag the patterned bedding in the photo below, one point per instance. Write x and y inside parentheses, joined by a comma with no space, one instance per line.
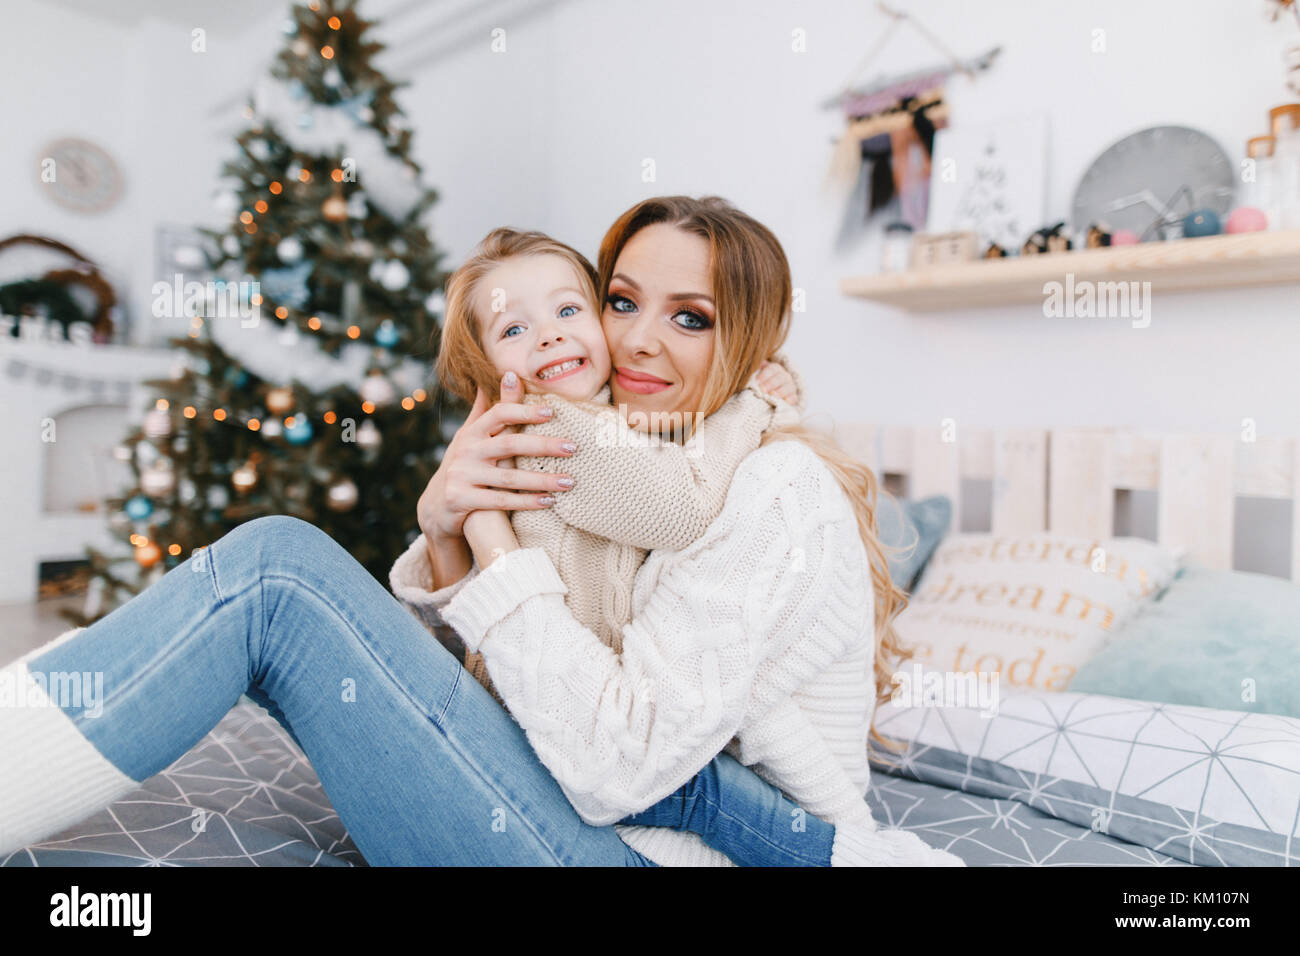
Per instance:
(1051,780)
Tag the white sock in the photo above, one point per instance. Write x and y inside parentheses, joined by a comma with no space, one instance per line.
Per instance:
(858,845)
(50,775)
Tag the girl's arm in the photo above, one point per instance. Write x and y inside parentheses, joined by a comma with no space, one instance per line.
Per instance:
(725,629)
(641,490)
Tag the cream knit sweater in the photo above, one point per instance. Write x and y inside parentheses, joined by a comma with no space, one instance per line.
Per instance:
(634,492)
(757,637)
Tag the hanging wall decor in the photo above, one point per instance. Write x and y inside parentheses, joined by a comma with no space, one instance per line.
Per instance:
(885,149)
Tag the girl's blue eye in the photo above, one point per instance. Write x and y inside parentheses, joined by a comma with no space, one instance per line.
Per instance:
(617,301)
(568,310)
(505,333)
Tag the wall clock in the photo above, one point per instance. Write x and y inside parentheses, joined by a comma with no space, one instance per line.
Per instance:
(1146,172)
(85,178)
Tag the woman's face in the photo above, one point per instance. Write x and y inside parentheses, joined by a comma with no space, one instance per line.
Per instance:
(659,324)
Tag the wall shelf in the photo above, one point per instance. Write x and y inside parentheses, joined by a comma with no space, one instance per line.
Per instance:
(1183,265)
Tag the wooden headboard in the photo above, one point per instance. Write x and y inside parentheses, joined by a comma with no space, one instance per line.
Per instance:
(1065,479)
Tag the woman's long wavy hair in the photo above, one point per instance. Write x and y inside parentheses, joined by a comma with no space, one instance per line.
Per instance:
(752,292)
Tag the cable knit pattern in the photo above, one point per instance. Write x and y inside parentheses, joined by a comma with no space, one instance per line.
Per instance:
(634,491)
(755,633)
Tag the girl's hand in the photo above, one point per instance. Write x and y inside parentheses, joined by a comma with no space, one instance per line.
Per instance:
(469,477)
(772,378)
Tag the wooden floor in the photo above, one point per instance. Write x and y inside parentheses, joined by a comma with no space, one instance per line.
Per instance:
(25,626)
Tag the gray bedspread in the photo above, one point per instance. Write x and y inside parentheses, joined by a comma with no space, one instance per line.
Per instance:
(245,795)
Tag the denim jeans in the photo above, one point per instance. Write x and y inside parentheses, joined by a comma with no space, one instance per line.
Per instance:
(422,765)
(736,811)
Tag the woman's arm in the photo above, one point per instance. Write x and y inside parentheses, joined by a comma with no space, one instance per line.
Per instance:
(470,478)
(796,758)
(726,633)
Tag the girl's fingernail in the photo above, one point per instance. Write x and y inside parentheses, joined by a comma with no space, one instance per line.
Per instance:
(511,380)
(546,500)
(564,482)
(545,411)
(569,447)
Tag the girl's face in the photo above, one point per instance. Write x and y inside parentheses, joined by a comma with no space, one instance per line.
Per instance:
(659,322)
(536,321)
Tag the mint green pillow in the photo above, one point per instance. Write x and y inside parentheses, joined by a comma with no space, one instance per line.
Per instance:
(1212,639)
(917,526)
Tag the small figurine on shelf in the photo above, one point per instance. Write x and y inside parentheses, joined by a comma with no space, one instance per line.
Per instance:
(994,251)
(1098,236)
(1047,240)
(1201,222)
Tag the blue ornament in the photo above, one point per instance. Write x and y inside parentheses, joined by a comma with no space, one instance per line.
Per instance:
(287,286)
(289,28)
(139,508)
(299,433)
(236,376)
(386,335)
(1201,222)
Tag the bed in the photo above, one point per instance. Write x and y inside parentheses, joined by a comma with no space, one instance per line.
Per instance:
(1051,779)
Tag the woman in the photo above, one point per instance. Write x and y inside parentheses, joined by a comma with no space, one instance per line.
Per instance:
(421,764)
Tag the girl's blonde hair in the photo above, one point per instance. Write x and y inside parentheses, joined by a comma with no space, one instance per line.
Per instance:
(463,365)
(752,291)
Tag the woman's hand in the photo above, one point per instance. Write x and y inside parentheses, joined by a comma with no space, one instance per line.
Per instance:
(772,378)
(470,477)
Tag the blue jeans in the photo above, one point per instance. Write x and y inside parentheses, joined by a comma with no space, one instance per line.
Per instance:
(422,765)
(736,811)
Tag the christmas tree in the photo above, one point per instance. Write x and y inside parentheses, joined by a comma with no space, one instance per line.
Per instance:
(305,386)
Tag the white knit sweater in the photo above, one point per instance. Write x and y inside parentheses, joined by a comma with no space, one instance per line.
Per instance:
(756,638)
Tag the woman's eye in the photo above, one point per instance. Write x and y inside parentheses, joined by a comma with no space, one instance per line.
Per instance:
(567,311)
(691,320)
(616,302)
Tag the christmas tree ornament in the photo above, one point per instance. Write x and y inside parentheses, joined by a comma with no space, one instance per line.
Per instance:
(300,47)
(395,276)
(279,400)
(236,376)
(368,436)
(158,479)
(145,454)
(357,209)
(386,334)
(335,208)
(244,478)
(297,430)
(289,250)
(435,303)
(138,508)
(158,423)
(332,78)
(259,150)
(378,390)
(180,444)
(218,497)
(271,428)
(148,554)
(230,246)
(289,27)
(342,495)
(362,248)
(187,491)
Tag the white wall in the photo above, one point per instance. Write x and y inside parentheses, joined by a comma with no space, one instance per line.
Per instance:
(552,133)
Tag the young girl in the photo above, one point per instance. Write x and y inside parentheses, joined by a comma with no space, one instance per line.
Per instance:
(526,305)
